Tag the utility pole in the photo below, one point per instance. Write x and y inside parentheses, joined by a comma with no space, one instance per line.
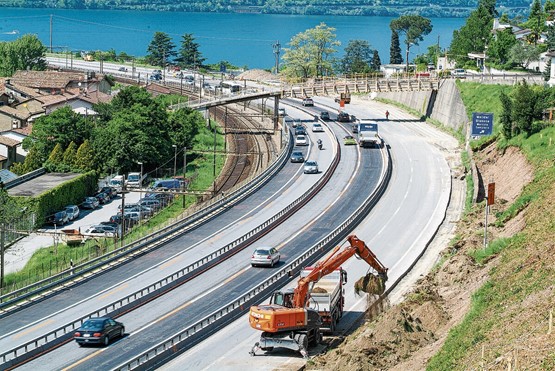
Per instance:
(50,33)
(2,236)
(277,50)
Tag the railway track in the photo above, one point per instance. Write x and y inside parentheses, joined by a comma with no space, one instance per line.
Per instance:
(249,146)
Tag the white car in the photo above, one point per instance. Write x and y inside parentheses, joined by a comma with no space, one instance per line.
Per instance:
(301,140)
(311,167)
(265,256)
(99,231)
(317,127)
(281,111)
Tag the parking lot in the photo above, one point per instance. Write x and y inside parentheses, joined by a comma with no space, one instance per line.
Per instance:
(18,254)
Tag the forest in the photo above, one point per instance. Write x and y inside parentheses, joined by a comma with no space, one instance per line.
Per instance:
(426,8)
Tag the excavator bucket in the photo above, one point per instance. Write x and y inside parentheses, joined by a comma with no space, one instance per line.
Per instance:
(371,284)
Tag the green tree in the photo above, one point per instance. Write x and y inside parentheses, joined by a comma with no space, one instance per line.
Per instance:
(185,124)
(500,47)
(310,52)
(522,54)
(84,159)
(536,22)
(25,53)
(506,119)
(395,56)
(550,37)
(160,50)
(8,214)
(474,35)
(56,157)
(70,155)
(189,54)
(413,27)
(357,58)
(549,9)
(525,108)
(62,126)
(376,62)
(33,161)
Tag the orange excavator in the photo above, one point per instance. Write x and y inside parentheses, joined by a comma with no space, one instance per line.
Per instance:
(288,322)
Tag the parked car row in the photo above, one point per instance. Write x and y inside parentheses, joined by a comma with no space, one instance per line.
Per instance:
(133,213)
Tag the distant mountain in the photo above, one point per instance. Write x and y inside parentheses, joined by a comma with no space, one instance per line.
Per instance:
(427,8)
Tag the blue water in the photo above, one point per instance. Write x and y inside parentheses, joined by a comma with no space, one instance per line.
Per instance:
(244,40)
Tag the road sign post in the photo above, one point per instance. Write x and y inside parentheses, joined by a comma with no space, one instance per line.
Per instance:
(490,200)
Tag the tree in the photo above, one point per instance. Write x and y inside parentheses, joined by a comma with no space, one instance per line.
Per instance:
(376,62)
(550,37)
(160,50)
(475,34)
(357,57)
(33,161)
(84,159)
(525,108)
(413,27)
(310,52)
(185,124)
(189,54)
(505,118)
(549,9)
(70,154)
(395,56)
(500,47)
(521,54)
(62,126)
(8,215)
(25,53)
(536,22)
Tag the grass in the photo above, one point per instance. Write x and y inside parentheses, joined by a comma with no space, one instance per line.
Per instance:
(523,270)
(201,170)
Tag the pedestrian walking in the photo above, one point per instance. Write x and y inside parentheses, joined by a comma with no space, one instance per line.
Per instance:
(71,267)
(387,115)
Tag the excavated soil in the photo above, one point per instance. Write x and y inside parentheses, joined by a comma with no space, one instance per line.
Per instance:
(407,335)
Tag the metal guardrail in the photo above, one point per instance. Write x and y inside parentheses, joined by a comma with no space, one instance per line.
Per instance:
(141,246)
(61,334)
(190,336)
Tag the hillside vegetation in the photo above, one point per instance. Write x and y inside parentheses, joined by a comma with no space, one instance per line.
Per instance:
(479,308)
(445,8)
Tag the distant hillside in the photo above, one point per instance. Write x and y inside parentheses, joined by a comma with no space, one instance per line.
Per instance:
(427,8)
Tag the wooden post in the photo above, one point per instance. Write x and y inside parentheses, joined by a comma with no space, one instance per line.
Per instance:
(483,351)
(550,322)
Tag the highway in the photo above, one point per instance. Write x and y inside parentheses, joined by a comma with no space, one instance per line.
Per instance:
(397,231)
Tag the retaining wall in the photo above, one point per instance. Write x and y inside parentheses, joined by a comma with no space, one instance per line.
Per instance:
(445,105)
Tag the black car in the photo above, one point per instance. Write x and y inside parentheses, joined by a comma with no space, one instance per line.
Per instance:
(297,157)
(110,191)
(127,221)
(98,330)
(102,198)
(343,117)
(325,115)
(300,130)
(58,218)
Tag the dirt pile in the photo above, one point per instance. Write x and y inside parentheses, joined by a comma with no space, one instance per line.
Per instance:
(257,75)
(407,335)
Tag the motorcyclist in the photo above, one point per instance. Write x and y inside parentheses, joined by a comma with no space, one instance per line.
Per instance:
(319,143)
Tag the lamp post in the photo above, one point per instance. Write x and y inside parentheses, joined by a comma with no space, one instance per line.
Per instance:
(184,173)
(141,181)
(181,85)
(174,159)
(407,61)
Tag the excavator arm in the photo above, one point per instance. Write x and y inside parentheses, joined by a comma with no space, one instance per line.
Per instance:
(334,261)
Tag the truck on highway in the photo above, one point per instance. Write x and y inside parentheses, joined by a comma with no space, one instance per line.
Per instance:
(327,297)
(368,133)
(345,97)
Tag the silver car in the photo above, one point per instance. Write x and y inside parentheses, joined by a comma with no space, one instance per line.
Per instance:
(311,167)
(265,256)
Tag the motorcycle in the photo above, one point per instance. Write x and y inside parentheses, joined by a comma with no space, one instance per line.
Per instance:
(320,144)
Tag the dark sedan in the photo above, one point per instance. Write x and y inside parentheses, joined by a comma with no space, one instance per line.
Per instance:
(99,330)
(343,117)
(297,157)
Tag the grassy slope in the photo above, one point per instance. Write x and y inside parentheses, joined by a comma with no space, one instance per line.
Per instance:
(509,314)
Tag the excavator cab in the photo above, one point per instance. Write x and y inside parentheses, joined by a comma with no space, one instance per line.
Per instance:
(283,298)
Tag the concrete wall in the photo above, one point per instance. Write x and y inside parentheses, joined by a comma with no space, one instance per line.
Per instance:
(446,107)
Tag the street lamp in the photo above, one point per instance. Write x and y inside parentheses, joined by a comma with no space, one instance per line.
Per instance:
(174,159)
(141,181)
(184,173)
(181,85)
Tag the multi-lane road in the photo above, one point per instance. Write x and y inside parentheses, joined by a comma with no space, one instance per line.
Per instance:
(397,230)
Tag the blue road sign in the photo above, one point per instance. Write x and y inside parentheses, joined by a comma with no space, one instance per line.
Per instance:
(482,124)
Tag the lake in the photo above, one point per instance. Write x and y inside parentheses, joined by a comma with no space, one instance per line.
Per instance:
(242,39)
